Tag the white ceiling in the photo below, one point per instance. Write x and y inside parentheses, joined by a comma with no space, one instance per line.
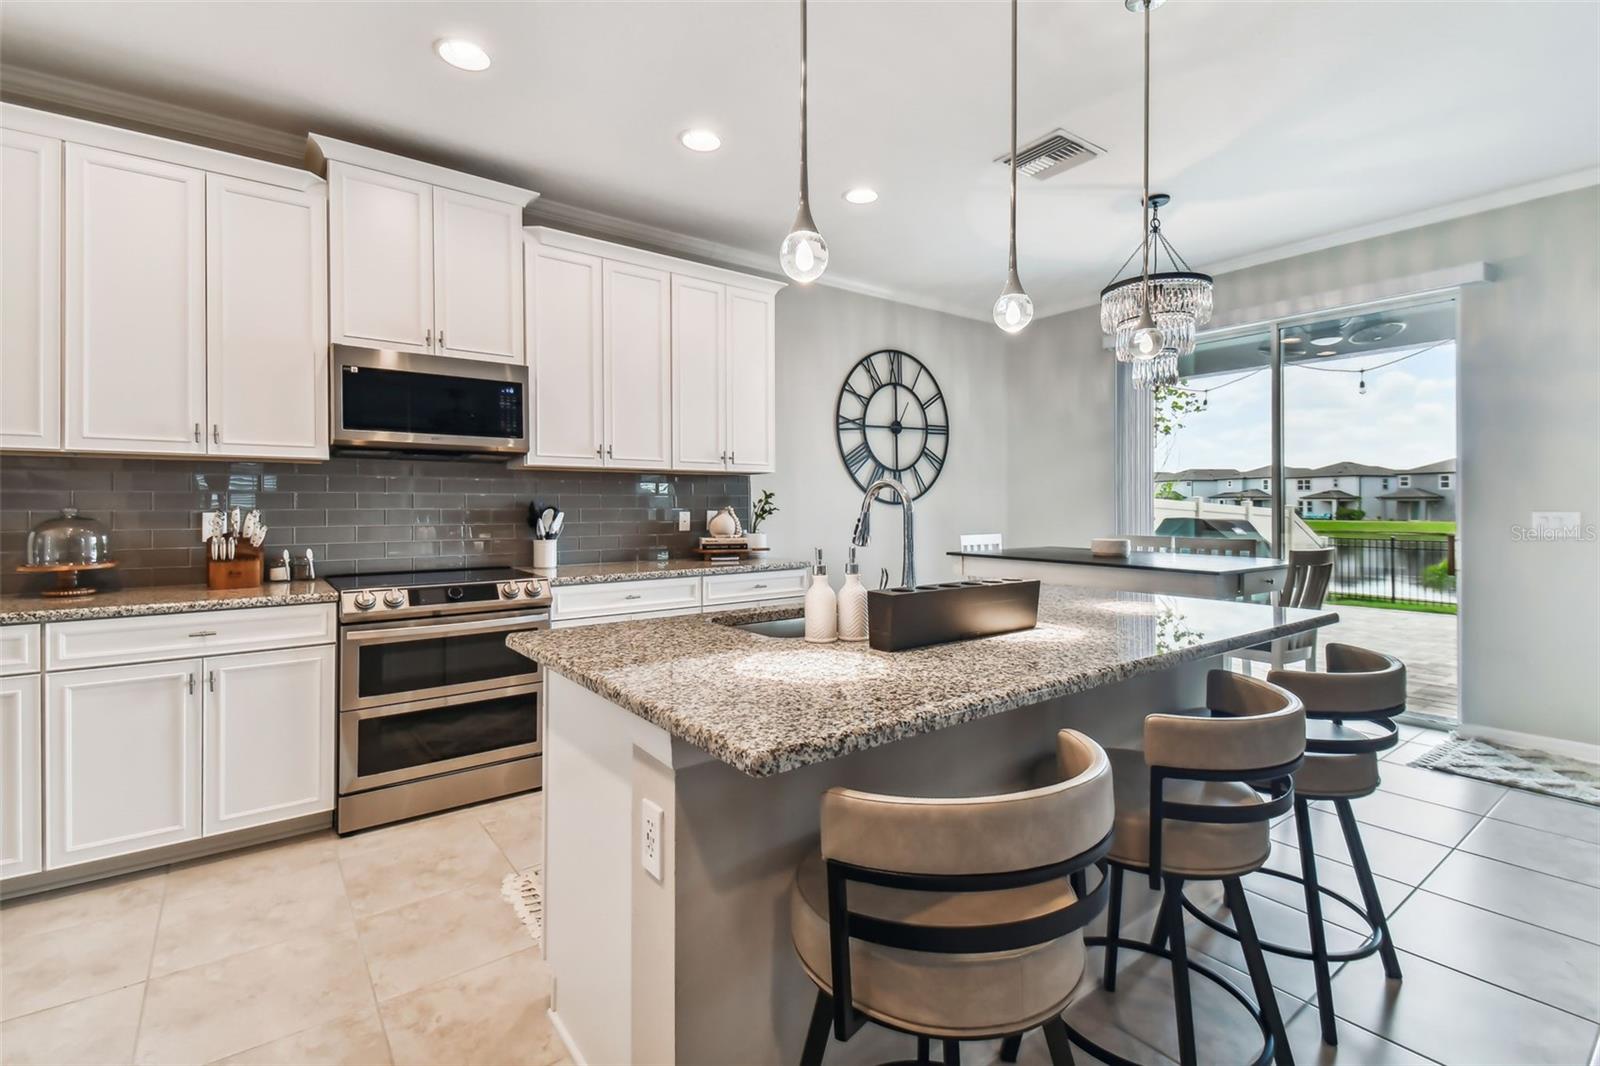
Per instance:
(1275,123)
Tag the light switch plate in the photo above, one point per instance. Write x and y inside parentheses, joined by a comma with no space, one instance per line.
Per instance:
(709,516)
(683,521)
(650,837)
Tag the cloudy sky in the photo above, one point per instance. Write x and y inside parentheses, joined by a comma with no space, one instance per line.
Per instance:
(1407,417)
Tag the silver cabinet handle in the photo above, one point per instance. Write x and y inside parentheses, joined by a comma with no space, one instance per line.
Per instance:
(197,433)
(732,458)
(211,680)
(609,453)
(427,338)
(216,434)
(760,586)
(600,451)
(191,684)
(204,633)
(441,339)
(633,596)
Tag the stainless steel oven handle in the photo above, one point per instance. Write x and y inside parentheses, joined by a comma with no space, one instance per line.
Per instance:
(363,713)
(428,628)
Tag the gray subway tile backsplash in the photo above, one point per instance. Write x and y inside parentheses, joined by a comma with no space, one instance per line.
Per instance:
(356,514)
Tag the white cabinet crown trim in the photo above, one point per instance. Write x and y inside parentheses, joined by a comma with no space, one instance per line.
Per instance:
(132,142)
(320,149)
(573,242)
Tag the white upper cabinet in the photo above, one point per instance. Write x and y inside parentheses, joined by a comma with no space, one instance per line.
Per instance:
(477,276)
(380,259)
(135,310)
(638,366)
(422,259)
(566,357)
(698,374)
(751,364)
(266,327)
(30,315)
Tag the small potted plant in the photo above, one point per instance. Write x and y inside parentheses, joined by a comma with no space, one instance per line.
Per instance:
(763,510)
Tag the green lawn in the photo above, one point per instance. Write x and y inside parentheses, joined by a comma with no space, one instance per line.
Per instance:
(1334,600)
(1333,528)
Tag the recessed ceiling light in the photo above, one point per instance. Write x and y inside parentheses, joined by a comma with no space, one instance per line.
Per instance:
(862,195)
(464,55)
(1325,354)
(1290,339)
(1327,342)
(700,140)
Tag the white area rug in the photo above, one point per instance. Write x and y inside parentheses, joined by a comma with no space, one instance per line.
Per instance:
(1533,771)
(523,892)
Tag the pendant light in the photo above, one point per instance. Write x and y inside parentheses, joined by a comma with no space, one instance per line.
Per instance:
(1014,309)
(804,254)
(1154,315)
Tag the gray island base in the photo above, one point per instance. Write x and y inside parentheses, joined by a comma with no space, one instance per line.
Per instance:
(735,736)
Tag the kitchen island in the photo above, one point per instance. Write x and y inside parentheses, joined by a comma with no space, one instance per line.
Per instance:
(1220,577)
(733,737)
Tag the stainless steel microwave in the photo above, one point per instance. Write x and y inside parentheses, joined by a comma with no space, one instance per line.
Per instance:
(402,401)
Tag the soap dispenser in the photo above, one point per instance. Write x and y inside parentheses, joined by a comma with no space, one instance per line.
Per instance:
(852,602)
(822,606)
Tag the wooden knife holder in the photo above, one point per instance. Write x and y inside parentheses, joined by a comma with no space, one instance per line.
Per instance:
(243,571)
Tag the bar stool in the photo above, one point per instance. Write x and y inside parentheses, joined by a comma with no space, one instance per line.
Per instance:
(1350,713)
(1189,809)
(954,919)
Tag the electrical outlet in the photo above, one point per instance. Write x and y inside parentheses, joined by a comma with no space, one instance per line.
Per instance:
(650,839)
(683,521)
(709,516)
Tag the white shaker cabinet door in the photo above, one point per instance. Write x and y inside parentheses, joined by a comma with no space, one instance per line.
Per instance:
(122,760)
(565,355)
(699,389)
(477,277)
(266,326)
(751,394)
(21,830)
(30,317)
(638,364)
(269,735)
(380,259)
(135,307)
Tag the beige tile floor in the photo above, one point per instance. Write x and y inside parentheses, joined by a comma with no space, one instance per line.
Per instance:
(389,946)
(394,946)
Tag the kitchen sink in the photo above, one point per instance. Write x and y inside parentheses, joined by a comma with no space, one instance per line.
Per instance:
(775,627)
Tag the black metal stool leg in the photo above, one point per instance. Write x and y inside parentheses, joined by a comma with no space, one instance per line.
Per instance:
(817,1033)
(1059,1043)
(952,1053)
(1260,978)
(1158,932)
(1172,911)
(1113,930)
(1369,887)
(924,1051)
(1011,1047)
(1319,935)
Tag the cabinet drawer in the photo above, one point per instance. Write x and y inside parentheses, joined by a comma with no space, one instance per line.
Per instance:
(745,588)
(19,649)
(626,598)
(113,641)
(1264,581)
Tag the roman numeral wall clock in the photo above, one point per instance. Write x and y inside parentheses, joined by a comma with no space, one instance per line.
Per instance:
(893,422)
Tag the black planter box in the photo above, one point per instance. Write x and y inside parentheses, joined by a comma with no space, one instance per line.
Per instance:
(903,618)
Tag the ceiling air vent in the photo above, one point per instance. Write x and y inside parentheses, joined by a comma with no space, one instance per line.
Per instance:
(1055,152)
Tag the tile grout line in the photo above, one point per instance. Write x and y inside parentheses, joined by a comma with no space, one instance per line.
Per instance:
(155,938)
(366,963)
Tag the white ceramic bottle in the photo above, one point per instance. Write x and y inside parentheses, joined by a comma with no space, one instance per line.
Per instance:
(822,606)
(852,602)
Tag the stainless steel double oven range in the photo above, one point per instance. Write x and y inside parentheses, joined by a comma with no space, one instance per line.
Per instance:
(434,710)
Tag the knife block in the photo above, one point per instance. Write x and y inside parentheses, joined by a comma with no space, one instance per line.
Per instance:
(241,572)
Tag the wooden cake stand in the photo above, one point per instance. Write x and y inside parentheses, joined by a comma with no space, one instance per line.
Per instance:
(67,577)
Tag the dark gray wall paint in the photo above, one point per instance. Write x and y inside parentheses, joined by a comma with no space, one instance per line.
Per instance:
(355,514)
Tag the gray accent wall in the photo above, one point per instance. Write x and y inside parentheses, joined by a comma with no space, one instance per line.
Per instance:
(356,514)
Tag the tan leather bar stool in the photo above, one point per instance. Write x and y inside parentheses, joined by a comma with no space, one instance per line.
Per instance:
(1350,713)
(954,919)
(1190,807)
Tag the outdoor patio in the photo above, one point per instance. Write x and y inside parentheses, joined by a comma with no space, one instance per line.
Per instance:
(1426,643)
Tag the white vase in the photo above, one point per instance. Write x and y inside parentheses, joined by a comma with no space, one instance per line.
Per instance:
(757,541)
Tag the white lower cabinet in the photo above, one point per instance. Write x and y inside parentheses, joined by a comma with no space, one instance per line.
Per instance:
(122,760)
(21,831)
(268,733)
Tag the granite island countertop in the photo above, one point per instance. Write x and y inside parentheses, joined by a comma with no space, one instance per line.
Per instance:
(640,570)
(160,599)
(766,705)
(1172,562)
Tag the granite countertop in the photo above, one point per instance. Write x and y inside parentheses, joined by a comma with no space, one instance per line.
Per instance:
(765,705)
(163,599)
(1167,561)
(638,570)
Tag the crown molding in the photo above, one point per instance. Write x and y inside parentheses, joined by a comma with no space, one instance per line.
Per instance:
(67,94)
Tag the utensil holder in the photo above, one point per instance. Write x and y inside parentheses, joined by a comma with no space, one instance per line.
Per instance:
(544,554)
(240,572)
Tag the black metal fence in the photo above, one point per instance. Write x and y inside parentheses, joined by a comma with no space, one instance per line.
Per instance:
(1396,569)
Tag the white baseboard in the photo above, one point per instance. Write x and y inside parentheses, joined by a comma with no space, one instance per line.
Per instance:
(1573,749)
(566,1038)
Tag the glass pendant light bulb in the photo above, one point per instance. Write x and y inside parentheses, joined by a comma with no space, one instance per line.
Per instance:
(1013,311)
(1146,340)
(1361,388)
(804,254)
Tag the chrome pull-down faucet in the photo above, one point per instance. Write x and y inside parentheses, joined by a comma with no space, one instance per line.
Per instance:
(863,531)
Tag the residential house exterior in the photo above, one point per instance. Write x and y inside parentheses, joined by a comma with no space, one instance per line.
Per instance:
(1400,494)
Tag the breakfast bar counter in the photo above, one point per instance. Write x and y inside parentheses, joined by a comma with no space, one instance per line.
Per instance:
(685,760)
(1221,577)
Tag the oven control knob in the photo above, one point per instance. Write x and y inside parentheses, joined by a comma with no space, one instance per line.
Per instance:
(510,590)
(365,601)
(394,598)
(533,588)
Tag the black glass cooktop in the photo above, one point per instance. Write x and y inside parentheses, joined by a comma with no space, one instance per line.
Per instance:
(419,578)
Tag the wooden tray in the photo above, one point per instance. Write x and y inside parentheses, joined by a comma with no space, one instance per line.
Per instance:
(67,577)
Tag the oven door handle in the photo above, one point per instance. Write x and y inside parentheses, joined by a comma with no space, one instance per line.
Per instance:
(430,629)
(361,714)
